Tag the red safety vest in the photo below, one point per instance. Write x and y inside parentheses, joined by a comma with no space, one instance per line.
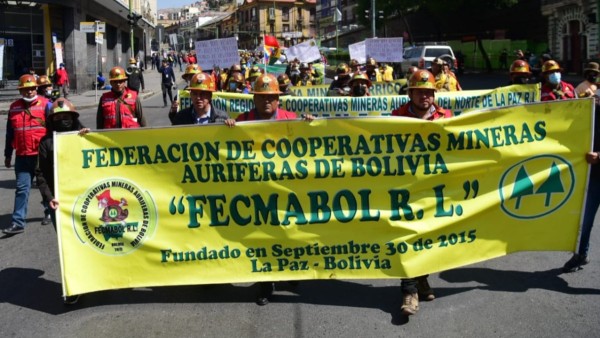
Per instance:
(281,115)
(127,106)
(29,125)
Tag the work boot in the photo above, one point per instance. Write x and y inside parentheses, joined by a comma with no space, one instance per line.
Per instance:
(575,263)
(425,290)
(47,219)
(13,230)
(410,303)
(265,290)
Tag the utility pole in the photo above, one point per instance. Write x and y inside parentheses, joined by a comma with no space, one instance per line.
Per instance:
(130,16)
(372,17)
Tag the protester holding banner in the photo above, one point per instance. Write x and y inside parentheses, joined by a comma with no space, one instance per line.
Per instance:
(409,72)
(354,67)
(421,92)
(371,70)
(588,87)
(63,117)
(360,85)
(202,111)
(284,85)
(592,198)
(121,107)
(266,100)
(520,72)
(237,84)
(443,82)
(25,127)
(340,86)
(554,88)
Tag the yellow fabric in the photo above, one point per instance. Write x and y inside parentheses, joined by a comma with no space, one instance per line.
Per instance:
(383,197)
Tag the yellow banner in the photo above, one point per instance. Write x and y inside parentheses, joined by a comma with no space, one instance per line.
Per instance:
(378,89)
(380,197)
(337,106)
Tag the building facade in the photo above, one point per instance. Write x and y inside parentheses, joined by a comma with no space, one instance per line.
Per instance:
(41,33)
(573,31)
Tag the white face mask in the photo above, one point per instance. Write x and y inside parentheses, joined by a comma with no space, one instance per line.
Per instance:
(29,100)
(554,78)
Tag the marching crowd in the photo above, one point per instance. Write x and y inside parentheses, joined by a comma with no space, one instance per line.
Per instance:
(39,112)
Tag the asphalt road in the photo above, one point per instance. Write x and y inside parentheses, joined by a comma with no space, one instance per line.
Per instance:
(520,295)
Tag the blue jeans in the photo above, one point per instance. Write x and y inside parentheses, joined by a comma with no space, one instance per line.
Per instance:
(24,170)
(592,201)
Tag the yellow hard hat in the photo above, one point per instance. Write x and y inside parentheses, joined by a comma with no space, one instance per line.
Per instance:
(63,105)
(519,67)
(361,76)
(191,70)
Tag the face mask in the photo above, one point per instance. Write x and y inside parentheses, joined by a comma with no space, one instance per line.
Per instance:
(48,92)
(29,100)
(63,125)
(554,78)
(359,90)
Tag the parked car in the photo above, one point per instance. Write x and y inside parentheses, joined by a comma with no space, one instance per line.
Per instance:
(421,56)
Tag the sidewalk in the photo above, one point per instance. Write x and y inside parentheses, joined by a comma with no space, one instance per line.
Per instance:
(88,99)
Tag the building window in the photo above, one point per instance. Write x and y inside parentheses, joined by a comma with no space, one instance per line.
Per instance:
(313,13)
(285,13)
(253,16)
(286,28)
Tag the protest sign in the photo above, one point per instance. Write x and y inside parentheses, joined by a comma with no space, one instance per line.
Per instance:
(357,51)
(218,52)
(305,52)
(384,49)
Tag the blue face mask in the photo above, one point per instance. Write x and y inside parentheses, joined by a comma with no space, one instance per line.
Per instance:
(554,78)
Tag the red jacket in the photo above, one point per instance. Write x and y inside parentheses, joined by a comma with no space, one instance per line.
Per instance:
(61,76)
(127,109)
(438,114)
(27,129)
(566,91)
(280,115)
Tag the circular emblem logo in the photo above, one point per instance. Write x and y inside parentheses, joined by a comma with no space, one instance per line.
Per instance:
(536,187)
(115,217)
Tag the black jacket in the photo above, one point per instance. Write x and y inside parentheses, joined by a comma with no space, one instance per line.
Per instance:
(189,116)
(135,78)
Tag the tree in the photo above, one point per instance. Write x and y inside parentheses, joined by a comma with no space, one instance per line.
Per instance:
(523,186)
(552,185)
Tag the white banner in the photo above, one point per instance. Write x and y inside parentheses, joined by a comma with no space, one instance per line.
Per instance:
(173,39)
(305,52)
(1,59)
(385,49)
(58,53)
(217,52)
(357,51)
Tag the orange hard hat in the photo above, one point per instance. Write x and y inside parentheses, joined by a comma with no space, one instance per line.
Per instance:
(266,84)
(202,81)
(27,81)
(117,74)
(43,81)
(283,79)
(519,67)
(422,79)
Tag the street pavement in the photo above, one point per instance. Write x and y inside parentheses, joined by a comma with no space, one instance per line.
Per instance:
(520,295)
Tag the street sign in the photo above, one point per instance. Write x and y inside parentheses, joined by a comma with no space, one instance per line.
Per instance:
(99,38)
(87,27)
(90,27)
